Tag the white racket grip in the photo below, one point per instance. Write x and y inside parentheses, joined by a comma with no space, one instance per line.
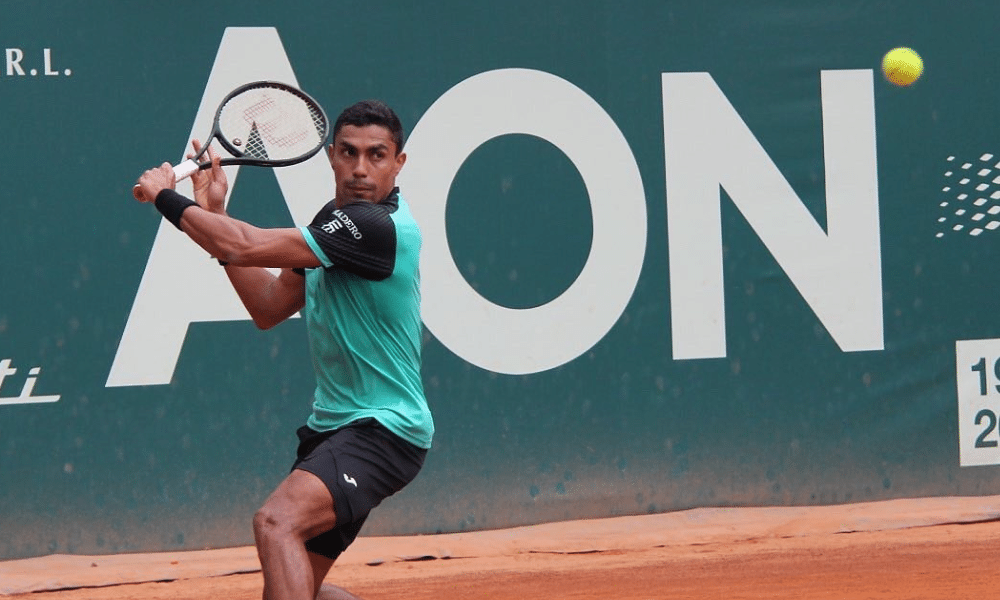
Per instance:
(181,171)
(185,169)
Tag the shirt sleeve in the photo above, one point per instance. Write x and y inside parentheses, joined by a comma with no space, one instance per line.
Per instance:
(359,238)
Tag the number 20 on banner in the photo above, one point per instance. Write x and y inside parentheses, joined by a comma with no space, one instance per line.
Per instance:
(978,374)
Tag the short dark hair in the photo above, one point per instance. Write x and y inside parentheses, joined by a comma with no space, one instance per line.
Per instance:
(371,112)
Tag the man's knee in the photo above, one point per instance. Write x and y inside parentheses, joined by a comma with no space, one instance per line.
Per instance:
(268,522)
(301,507)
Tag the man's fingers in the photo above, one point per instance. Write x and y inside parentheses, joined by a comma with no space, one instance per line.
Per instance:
(196,144)
(216,163)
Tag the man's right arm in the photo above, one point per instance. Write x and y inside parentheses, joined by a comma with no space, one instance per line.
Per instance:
(268,298)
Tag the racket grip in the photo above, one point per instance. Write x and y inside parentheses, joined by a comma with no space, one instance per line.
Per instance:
(185,169)
(181,171)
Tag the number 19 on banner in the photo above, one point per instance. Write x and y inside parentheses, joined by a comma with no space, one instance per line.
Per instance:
(978,374)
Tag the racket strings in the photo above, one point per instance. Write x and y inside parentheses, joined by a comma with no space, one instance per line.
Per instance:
(255,146)
(272,124)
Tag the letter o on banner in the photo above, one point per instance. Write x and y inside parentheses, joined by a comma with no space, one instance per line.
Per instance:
(522,101)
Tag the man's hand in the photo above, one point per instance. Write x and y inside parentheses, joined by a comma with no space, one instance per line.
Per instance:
(210,186)
(154,181)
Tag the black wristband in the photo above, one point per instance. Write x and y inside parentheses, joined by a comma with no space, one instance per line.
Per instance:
(172,205)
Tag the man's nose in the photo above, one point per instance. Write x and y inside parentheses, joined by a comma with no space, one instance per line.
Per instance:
(361,167)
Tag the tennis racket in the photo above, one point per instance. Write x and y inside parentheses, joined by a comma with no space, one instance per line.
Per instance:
(262,124)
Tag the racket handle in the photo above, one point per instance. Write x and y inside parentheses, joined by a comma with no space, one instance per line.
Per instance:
(185,169)
(181,171)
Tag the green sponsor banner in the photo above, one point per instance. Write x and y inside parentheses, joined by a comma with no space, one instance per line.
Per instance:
(675,255)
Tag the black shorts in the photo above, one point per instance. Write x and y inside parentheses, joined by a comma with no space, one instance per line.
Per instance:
(361,464)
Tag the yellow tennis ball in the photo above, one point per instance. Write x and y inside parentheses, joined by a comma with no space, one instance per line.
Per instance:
(902,66)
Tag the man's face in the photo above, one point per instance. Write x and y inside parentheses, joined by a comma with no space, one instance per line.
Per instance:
(365,163)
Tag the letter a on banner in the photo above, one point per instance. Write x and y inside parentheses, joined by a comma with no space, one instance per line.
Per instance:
(180,285)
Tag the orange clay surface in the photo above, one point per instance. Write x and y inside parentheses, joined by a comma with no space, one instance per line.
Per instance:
(933,548)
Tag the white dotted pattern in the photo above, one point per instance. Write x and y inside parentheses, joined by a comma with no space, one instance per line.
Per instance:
(968,207)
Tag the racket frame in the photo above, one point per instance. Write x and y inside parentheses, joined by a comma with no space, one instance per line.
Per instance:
(238,157)
(189,166)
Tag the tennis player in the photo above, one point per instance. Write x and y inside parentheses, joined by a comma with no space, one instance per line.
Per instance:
(354,270)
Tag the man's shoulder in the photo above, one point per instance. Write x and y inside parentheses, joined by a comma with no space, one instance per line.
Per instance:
(325,211)
(404,218)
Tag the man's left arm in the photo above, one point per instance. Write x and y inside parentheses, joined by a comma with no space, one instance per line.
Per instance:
(241,244)
(206,223)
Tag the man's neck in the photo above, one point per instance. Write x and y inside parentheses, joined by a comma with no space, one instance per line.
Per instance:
(342,202)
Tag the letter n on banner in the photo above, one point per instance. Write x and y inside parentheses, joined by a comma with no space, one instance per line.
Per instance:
(709,147)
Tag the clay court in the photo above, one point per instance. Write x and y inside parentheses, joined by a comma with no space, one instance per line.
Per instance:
(939,548)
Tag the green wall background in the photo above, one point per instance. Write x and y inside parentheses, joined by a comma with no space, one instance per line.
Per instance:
(786,418)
